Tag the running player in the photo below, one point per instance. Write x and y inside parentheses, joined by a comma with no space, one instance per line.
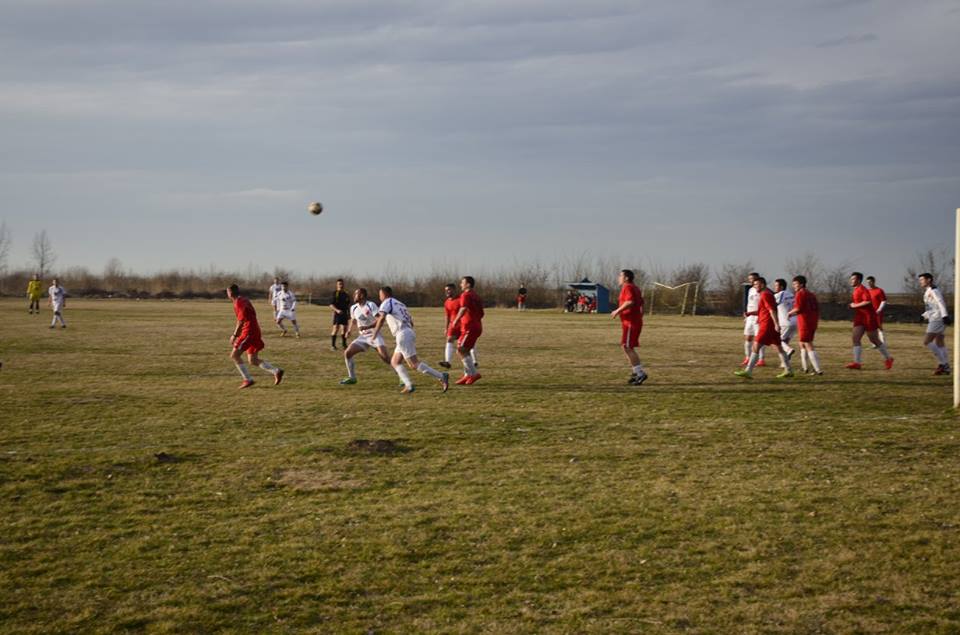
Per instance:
(768,332)
(750,321)
(937,318)
(286,303)
(395,314)
(451,306)
(788,323)
(879,301)
(806,310)
(58,299)
(630,311)
(340,303)
(363,314)
(272,295)
(34,290)
(864,321)
(246,339)
(469,321)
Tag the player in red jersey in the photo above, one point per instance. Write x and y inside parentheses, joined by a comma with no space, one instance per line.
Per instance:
(451,306)
(630,311)
(807,310)
(768,332)
(865,321)
(469,321)
(879,301)
(246,339)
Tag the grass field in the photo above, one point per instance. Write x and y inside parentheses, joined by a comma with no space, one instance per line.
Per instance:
(548,498)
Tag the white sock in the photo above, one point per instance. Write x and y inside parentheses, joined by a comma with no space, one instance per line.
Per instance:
(747,348)
(448,352)
(267,366)
(426,370)
(351,368)
(803,359)
(54,321)
(404,376)
(883,338)
(473,355)
(762,350)
(883,351)
(815,360)
(638,369)
(858,354)
(296,327)
(754,358)
(469,366)
(244,372)
(786,348)
(944,355)
(785,361)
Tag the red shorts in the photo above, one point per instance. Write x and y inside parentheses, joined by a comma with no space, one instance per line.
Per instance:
(468,338)
(879,320)
(767,336)
(454,333)
(248,344)
(630,334)
(806,329)
(867,320)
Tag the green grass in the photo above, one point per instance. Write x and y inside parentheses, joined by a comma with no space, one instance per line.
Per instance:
(550,497)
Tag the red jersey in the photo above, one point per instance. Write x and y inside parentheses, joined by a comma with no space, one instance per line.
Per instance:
(768,302)
(245,311)
(634,313)
(865,314)
(807,306)
(474,309)
(450,307)
(877,297)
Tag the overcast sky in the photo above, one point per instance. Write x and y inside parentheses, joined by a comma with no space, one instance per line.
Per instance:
(191,133)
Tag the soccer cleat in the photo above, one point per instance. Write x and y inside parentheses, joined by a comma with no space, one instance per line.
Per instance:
(51,326)
(348,381)
(247,383)
(888,363)
(761,363)
(854,366)
(642,377)
(283,333)
(746,360)
(298,334)
(462,380)
(785,374)
(746,374)
(818,373)
(333,348)
(278,376)
(472,379)
(633,379)
(445,382)
(444,364)
(408,389)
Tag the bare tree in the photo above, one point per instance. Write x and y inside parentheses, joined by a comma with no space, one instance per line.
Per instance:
(5,239)
(939,264)
(730,281)
(836,282)
(43,255)
(807,265)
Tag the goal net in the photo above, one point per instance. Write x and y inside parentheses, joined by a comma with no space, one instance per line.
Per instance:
(668,299)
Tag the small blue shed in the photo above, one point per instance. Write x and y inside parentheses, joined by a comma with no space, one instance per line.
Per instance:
(594,290)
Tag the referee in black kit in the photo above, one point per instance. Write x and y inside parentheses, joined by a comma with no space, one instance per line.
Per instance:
(341,315)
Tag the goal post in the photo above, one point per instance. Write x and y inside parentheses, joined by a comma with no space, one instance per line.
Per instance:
(680,298)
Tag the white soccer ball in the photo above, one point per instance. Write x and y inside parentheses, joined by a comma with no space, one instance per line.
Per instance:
(315,208)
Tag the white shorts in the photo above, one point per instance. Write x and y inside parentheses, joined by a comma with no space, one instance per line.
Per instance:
(57,308)
(289,314)
(787,331)
(936,327)
(406,343)
(364,342)
(750,325)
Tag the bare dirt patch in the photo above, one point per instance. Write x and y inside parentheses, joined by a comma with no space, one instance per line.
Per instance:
(376,446)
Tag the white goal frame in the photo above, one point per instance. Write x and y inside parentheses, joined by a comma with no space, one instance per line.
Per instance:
(686,294)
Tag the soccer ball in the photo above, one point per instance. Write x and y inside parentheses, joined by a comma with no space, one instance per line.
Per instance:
(315,208)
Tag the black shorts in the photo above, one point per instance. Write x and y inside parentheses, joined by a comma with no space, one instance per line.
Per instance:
(340,319)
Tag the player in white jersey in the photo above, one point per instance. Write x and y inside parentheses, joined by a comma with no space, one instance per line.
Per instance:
(788,323)
(286,304)
(750,321)
(937,318)
(272,294)
(58,297)
(363,315)
(395,314)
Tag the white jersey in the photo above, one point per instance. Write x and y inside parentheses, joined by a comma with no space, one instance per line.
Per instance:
(272,293)
(285,300)
(936,308)
(398,318)
(57,295)
(753,300)
(364,314)
(784,304)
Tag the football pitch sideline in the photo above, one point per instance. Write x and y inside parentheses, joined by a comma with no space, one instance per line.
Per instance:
(140,491)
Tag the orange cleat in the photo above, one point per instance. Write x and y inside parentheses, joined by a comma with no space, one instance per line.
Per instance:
(761,363)
(472,379)
(855,366)
(247,383)
(888,363)
(462,380)
(278,376)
